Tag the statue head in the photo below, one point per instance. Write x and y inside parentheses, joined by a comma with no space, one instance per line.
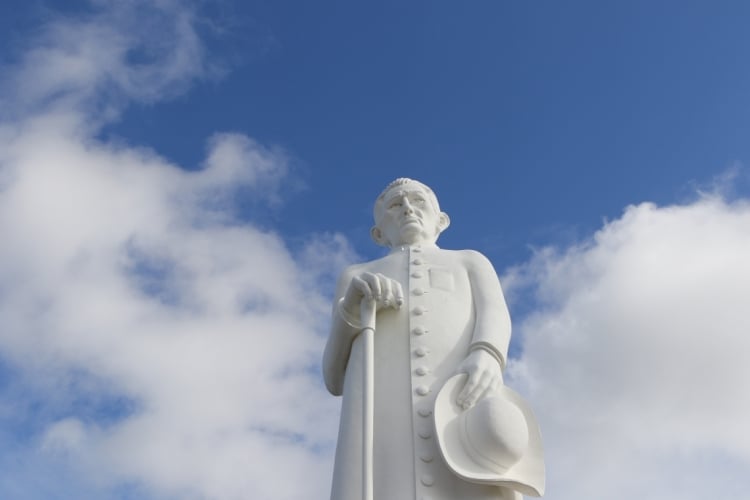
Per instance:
(407,213)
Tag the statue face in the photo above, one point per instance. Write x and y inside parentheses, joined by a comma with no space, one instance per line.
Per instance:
(408,217)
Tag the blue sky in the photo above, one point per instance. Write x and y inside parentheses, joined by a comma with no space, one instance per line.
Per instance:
(181,182)
(564,112)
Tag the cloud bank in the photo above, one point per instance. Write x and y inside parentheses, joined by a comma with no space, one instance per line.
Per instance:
(636,357)
(152,345)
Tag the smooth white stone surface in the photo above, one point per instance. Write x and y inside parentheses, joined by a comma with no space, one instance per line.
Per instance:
(452,304)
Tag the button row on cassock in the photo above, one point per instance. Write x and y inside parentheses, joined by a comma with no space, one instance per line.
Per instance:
(425,429)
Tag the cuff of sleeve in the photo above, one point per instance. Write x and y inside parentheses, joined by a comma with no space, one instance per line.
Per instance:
(348,317)
(489,348)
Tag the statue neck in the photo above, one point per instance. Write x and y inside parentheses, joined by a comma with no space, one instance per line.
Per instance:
(422,246)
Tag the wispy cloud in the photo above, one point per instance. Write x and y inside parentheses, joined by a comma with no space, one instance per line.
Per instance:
(109,55)
(150,341)
(636,358)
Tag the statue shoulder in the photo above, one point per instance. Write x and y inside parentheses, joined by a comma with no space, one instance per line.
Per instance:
(352,270)
(356,269)
(474,260)
(361,267)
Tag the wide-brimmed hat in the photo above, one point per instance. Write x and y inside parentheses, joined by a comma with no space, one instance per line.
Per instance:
(497,441)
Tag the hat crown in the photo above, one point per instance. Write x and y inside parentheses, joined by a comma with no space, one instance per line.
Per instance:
(497,441)
(495,433)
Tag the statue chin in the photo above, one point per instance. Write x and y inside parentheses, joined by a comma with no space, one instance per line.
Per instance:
(413,234)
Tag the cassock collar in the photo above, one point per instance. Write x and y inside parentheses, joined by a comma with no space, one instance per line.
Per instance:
(417,247)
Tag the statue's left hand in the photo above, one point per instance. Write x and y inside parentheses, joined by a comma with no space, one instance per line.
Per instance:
(484,374)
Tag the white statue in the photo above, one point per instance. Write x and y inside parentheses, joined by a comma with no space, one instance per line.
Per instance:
(444,425)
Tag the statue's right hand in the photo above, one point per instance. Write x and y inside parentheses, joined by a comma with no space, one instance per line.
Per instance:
(386,292)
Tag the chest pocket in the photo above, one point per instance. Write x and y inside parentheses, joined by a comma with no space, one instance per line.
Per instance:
(442,278)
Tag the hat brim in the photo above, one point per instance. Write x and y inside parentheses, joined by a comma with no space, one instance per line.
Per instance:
(525,476)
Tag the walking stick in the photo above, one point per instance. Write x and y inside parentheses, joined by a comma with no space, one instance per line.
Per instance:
(367,314)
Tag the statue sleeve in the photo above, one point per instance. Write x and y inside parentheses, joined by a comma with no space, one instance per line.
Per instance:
(492,325)
(343,331)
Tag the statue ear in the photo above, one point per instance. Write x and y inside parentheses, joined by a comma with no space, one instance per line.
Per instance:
(377,236)
(443,222)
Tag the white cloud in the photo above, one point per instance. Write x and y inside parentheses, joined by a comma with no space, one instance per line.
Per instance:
(116,52)
(227,163)
(149,339)
(112,266)
(636,359)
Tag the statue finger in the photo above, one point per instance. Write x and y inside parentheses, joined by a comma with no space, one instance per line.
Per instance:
(374,283)
(398,293)
(495,384)
(478,390)
(463,397)
(386,293)
(362,286)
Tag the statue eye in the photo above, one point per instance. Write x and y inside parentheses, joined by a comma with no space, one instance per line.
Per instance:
(395,204)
